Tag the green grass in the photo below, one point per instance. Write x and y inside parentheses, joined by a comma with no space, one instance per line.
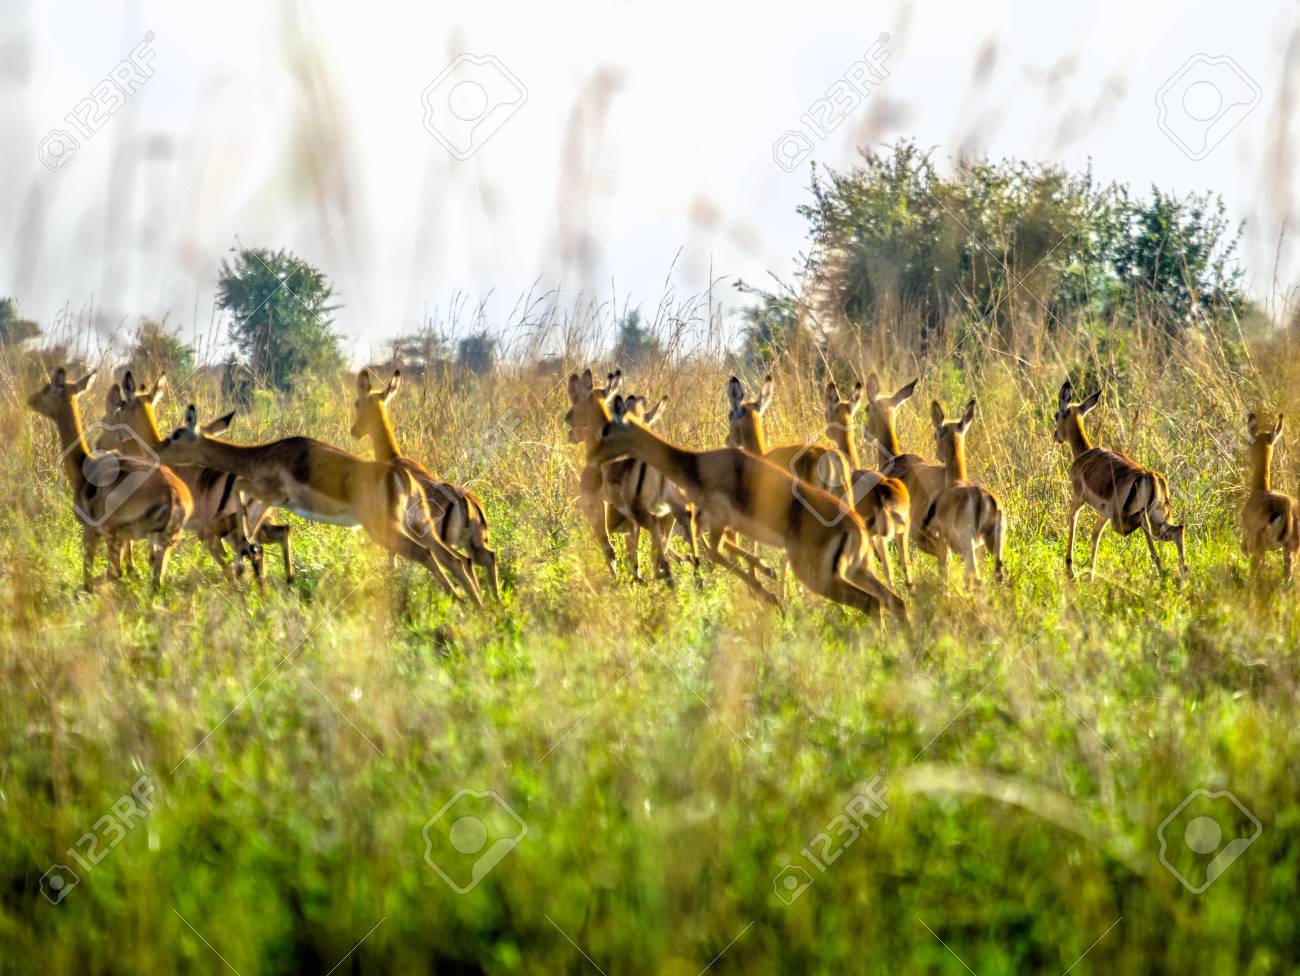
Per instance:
(669,751)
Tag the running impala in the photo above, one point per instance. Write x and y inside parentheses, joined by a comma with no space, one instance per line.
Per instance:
(1124,494)
(824,540)
(327,484)
(113,495)
(457,514)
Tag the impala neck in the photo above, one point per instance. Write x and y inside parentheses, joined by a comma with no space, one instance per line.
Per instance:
(73,441)
(382,434)
(955,468)
(842,437)
(150,425)
(1076,436)
(1261,465)
(676,464)
(591,432)
(887,446)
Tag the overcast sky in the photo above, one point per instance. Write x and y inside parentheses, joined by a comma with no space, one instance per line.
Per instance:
(613,136)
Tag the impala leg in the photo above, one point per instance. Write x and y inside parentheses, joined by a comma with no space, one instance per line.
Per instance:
(1097,529)
(159,551)
(451,560)
(882,553)
(89,542)
(973,582)
(715,553)
(1073,518)
(633,532)
(880,591)
(398,543)
(486,558)
(904,556)
(1151,543)
(272,533)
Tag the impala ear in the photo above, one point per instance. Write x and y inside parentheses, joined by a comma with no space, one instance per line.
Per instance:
(614,383)
(764,395)
(1252,426)
(967,417)
(832,396)
(114,398)
(653,415)
(392,386)
(363,381)
(606,429)
(1277,430)
(1063,398)
(60,379)
(873,385)
(587,383)
(79,387)
(936,413)
(855,399)
(904,393)
(575,388)
(1089,403)
(619,406)
(128,387)
(218,425)
(159,388)
(191,418)
(735,393)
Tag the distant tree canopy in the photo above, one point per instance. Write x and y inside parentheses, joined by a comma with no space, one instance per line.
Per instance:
(14,329)
(995,239)
(635,343)
(158,350)
(477,353)
(281,309)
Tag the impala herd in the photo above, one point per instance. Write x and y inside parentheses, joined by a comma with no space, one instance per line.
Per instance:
(833,519)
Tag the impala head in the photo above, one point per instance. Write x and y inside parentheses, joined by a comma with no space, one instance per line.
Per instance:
(58,395)
(133,407)
(841,412)
(950,436)
(616,436)
(369,410)
(1069,414)
(880,413)
(636,408)
(589,405)
(185,446)
(745,417)
(1263,438)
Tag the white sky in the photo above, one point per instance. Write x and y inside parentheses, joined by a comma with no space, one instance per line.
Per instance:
(681,104)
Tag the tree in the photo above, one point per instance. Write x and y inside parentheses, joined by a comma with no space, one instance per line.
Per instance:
(477,353)
(14,329)
(158,350)
(281,307)
(635,343)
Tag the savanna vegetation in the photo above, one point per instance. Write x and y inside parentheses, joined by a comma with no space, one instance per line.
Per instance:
(676,754)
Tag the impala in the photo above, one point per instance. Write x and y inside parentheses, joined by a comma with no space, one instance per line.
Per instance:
(1125,494)
(924,480)
(883,503)
(221,515)
(824,540)
(115,496)
(327,484)
(624,496)
(458,516)
(1269,519)
(964,517)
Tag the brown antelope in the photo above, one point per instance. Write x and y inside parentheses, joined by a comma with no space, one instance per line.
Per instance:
(883,503)
(924,480)
(822,467)
(824,540)
(1125,494)
(458,516)
(1269,519)
(115,496)
(964,517)
(623,496)
(327,484)
(221,514)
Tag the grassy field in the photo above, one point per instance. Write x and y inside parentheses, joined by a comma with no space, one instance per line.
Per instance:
(257,782)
